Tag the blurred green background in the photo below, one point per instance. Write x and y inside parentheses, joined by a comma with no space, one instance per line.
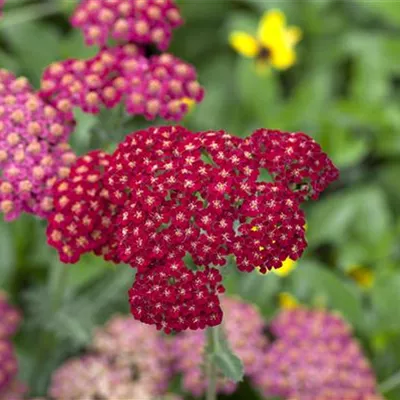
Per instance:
(343,91)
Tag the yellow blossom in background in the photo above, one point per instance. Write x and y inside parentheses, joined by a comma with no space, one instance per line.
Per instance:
(287,267)
(190,103)
(288,301)
(273,45)
(362,275)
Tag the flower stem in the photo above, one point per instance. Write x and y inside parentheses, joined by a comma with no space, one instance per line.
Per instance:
(211,368)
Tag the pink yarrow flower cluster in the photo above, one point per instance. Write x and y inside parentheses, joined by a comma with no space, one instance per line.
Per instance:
(158,85)
(141,371)
(170,193)
(315,357)
(139,21)
(161,85)
(247,341)
(10,388)
(33,149)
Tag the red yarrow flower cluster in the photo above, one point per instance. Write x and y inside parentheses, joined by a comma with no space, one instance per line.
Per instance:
(315,358)
(33,149)
(174,298)
(173,193)
(161,85)
(82,215)
(139,21)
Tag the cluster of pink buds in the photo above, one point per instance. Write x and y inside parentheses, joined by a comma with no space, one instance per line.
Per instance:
(10,388)
(33,149)
(166,193)
(315,357)
(159,85)
(139,21)
(129,360)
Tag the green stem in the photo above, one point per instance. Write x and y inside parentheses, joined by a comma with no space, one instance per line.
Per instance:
(28,13)
(211,368)
(390,383)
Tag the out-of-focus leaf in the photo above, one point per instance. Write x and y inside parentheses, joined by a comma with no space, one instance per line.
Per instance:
(328,289)
(385,301)
(387,10)
(7,253)
(36,45)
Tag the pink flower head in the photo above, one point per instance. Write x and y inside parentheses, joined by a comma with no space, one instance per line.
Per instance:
(145,351)
(82,216)
(315,360)
(160,85)
(295,160)
(137,21)
(8,364)
(9,318)
(247,341)
(16,390)
(33,151)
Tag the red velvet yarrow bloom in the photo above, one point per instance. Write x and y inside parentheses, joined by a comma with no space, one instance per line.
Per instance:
(174,298)
(145,351)
(247,340)
(182,192)
(33,151)
(82,217)
(315,366)
(293,159)
(159,85)
(137,21)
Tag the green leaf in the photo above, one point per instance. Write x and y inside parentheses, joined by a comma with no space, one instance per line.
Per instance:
(36,45)
(386,299)
(229,364)
(328,289)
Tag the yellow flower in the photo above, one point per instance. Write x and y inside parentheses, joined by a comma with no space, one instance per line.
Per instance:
(287,301)
(287,267)
(362,275)
(190,103)
(274,44)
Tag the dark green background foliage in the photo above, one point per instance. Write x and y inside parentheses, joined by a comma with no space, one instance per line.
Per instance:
(344,91)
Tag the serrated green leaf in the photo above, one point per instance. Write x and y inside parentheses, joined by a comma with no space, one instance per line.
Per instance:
(230,365)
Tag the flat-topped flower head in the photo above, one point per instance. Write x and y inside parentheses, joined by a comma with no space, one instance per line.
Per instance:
(131,344)
(247,340)
(295,160)
(174,298)
(136,21)
(33,149)
(82,217)
(92,377)
(161,85)
(272,46)
(315,357)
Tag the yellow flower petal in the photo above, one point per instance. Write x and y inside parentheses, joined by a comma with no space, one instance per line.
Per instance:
(272,28)
(283,57)
(362,275)
(293,35)
(287,301)
(190,102)
(244,44)
(287,267)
